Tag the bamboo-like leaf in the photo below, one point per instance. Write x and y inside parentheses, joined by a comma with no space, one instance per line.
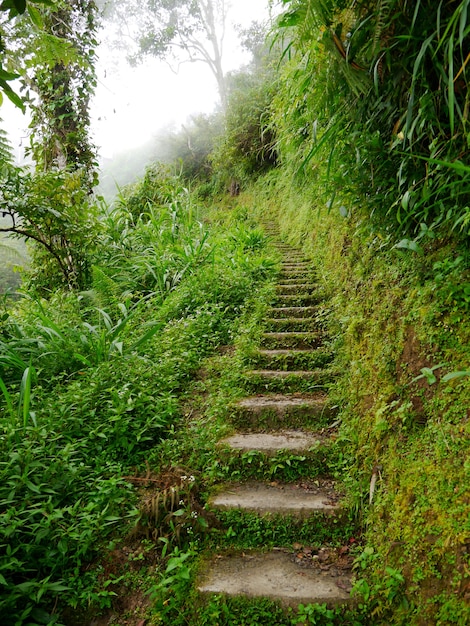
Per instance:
(463,26)
(424,48)
(25,393)
(450,84)
(415,14)
(453,375)
(146,336)
(7,397)
(35,16)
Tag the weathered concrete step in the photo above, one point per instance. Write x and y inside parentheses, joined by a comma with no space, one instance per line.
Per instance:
(292,288)
(298,265)
(289,360)
(273,411)
(301,298)
(292,311)
(287,340)
(271,443)
(276,498)
(293,256)
(285,381)
(291,324)
(297,274)
(274,575)
(296,280)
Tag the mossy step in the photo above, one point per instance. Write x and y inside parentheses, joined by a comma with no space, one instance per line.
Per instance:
(282,381)
(294,258)
(298,499)
(295,441)
(273,411)
(291,311)
(296,280)
(297,274)
(289,360)
(292,288)
(291,324)
(298,265)
(287,340)
(277,575)
(301,298)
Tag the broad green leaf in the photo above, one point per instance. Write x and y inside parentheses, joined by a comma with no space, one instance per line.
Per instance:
(408,244)
(35,16)
(4,75)
(453,375)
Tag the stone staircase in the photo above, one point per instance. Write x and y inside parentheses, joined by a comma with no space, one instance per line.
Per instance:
(288,409)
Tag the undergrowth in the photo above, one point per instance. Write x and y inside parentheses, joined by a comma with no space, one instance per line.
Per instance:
(90,385)
(397,320)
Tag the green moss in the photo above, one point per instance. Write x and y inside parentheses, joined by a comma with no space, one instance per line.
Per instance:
(399,328)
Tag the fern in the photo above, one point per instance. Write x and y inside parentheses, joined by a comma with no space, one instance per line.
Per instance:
(6,151)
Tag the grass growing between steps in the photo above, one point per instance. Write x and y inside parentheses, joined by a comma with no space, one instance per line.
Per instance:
(403,346)
(91,387)
(176,529)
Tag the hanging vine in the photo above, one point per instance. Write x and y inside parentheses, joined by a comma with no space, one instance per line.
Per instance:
(63,86)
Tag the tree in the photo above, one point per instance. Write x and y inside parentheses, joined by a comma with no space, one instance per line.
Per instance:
(64,86)
(11,9)
(189,30)
(52,50)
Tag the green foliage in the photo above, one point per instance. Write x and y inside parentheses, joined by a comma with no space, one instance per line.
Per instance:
(380,91)
(193,144)
(228,611)
(53,211)
(247,147)
(89,387)
(60,70)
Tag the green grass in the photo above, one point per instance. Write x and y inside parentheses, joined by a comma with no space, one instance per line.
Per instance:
(110,371)
(397,322)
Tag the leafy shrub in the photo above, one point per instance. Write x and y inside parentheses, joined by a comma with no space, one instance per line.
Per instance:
(378,90)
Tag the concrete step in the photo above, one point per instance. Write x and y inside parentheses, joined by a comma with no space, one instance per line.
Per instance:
(298,499)
(294,257)
(292,288)
(292,311)
(289,340)
(291,324)
(297,265)
(274,411)
(295,441)
(300,298)
(305,275)
(293,281)
(291,360)
(287,382)
(278,575)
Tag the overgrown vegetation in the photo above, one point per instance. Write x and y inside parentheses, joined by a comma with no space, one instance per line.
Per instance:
(91,381)
(117,366)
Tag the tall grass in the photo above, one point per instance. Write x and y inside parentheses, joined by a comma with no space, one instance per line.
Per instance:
(380,91)
(90,382)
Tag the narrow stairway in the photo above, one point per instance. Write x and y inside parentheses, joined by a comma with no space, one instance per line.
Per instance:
(288,409)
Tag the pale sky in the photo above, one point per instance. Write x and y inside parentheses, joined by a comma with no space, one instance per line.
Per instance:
(132,104)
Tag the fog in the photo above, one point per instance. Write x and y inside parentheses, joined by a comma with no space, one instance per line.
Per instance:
(131,106)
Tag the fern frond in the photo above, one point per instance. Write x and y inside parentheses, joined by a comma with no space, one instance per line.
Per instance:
(6,150)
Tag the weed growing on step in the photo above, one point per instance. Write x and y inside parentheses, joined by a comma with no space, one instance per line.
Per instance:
(398,319)
(111,365)
(242,530)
